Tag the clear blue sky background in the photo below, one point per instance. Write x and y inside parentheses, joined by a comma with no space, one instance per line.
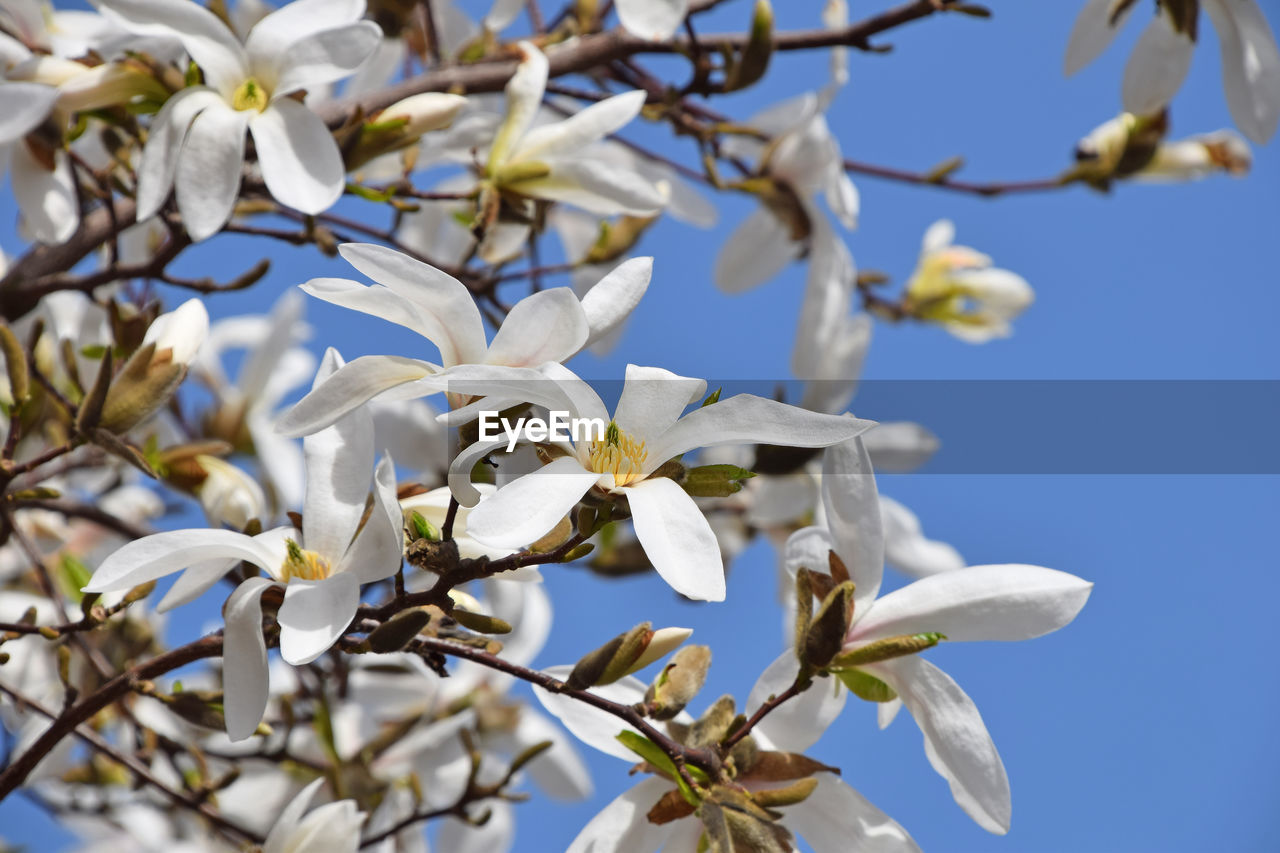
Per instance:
(1148,724)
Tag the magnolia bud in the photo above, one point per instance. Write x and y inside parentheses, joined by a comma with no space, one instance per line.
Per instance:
(156,369)
(754,61)
(829,626)
(679,681)
(402,124)
(889,647)
(625,654)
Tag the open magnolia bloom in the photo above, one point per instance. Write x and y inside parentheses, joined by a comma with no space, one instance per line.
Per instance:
(550,325)
(958,288)
(197,139)
(1162,56)
(320,568)
(877,658)
(330,828)
(645,431)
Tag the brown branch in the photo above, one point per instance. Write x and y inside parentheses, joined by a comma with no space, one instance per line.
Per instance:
(989,189)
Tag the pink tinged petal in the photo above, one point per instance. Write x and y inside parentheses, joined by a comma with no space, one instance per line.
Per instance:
(377,551)
(677,538)
(325,57)
(527,508)
(589,724)
(546,326)
(1004,602)
(46,198)
(655,20)
(1250,66)
(350,387)
(203,36)
(757,251)
(195,582)
(595,186)
(853,516)
(651,402)
(338,461)
(622,826)
(748,419)
(300,161)
(435,294)
(314,615)
(612,299)
(164,144)
(524,96)
(795,725)
(580,129)
(244,661)
(1091,34)
(160,554)
(1156,68)
(956,740)
(835,818)
(289,817)
(209,166)
(22,107)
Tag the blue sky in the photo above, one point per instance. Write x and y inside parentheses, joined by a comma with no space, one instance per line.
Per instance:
(1146,725)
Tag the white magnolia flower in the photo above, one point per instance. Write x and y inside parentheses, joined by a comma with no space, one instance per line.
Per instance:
(1197,157)
(645,431)
(958,288)
(551,325)
(197,139)
(1162,56)
(833,819)
(321,567)
(330,828)
(1003,602)
(656,20)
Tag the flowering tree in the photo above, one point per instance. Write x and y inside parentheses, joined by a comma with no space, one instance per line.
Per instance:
(387,531)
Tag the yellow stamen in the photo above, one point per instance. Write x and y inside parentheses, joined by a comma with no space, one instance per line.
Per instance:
(250,96)
(304,565)
(619,454)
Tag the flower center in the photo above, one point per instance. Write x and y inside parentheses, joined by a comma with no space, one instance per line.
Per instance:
(250,96)
(619,454)
(304,565)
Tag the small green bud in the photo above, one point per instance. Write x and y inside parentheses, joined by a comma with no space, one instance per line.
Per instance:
(398,631)
(889,647)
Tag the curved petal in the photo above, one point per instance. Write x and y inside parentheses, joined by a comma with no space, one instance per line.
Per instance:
(47,198)
(651,402)
(338,458)
(612,299)
(379,547)
(314,615)
(900,446)
(656,20)
(546,326)
(835,818)
(352,385)
(808,548)
(956,740)
(300,161)
(755,252)
(796,725)
(164,145)
(245,683)
(677,538)
(524,96)
(198,579)
(526,508)
(853,516)
(581,129)
(203,36)
(746,418)
(589,724)
(159,554)
(375,300)
(22,107)
(595,186)
(1250,66)
(208,173)
(287,822)
(907,549)
(622,826)
(502,14)
(1156,68)
(1092,33)
(561,772)
(1005,602)
(322,58)
(271,36)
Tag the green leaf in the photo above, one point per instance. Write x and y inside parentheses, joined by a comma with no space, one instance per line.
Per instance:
(866,686)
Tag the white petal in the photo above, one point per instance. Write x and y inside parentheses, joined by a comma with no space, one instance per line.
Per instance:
(1091,34)
(899,446)
(746,418)
(622,826)
(299,159)
(244,660)
(376,301)
(525,509)
(354,384)
(435,294)
(579,130)
(589,724)
(339,459)
(160,554)
(460,471)
(651,402)
(1005,602)
(496,836)
(195,582)
(545,326)
(677,538)
(524,97)
(1156,68)
(808,548)
(289,817)
(315,614)
(757,251)
(853,517)
(331,828)
(181,331)
(1250,66)
(612,299)
(377,551)
(271,36)
(835,818)
(208,174)
(795,725)
(939,235)
(502,14)
(907,549)
(595,186)
(656,20)
(318,60)
(956,740)
(203,36)
(47,199)
(22,107)
(560,771)
(164,146)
